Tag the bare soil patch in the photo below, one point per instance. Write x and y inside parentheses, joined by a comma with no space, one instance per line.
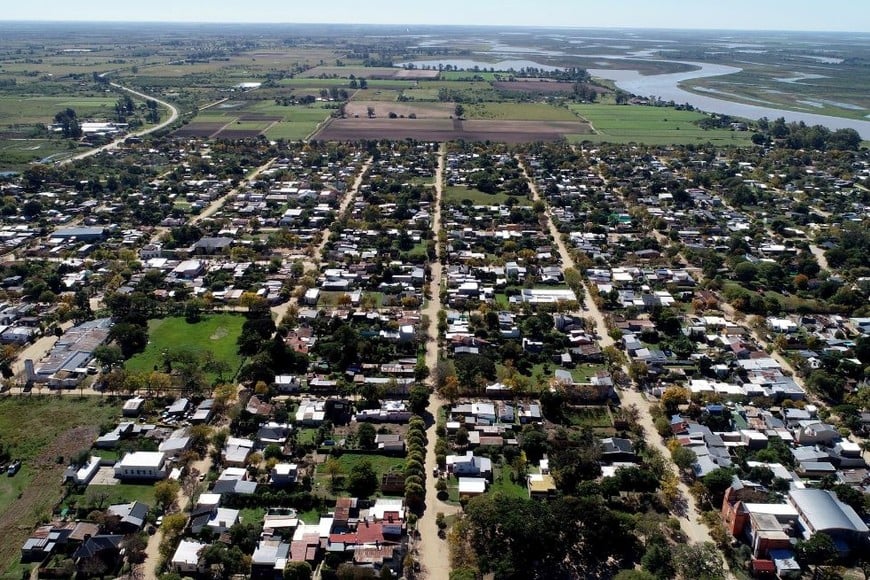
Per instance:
(383,109)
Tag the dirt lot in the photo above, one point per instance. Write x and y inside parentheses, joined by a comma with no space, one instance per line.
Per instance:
(450,130)
(383,109)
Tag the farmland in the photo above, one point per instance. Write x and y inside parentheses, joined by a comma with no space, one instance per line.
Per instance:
(651,125)
(216,334)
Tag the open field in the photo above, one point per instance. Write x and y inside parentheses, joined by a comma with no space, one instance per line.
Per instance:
(454,194)
(40,430)
(367,72)
(216,333)
(16,153)
(652,125)
(447,130)
(519,112)
(32,110)
(245,119)
(383,109)
(380,464)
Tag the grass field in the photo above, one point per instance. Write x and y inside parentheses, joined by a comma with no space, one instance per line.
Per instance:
(456,193)
(15,154)
(519,112)
(380,463)
(39,431)
(33,110)
(651,125)
(216,333)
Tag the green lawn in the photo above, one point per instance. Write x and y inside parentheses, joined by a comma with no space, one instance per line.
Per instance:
(112,494)
(216,333)
(462,75)
(18,153)
(457,193)
(652,125)
(501,482)
(380,463)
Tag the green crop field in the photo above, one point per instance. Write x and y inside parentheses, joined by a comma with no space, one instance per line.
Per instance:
(651,125)
(216,333)
(461,75)
(519,112)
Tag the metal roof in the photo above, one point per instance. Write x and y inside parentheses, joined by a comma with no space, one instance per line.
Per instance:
(823,511)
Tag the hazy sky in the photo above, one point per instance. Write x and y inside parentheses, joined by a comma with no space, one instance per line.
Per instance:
(847,15)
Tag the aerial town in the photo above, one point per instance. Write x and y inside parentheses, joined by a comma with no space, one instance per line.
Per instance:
(227,355)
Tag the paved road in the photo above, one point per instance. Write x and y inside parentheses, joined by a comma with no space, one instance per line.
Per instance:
(173,116)
(433,552)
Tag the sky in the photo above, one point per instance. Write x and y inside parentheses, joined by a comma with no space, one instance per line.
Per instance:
(831,15)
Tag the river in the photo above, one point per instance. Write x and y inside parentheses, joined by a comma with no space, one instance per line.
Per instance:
(666,87)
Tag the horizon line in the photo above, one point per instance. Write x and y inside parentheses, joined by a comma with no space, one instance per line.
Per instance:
(427,25)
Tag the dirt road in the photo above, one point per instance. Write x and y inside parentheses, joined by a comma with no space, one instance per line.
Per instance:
(432,552)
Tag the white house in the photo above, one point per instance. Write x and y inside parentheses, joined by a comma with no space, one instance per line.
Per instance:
(283,474)
(142,465)
(469,465)
(186,557)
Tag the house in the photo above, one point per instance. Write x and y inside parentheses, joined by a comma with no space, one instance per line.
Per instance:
(541,485)
(390,443)
(142,465)
(99,552)
(284,474)
(132,407)
(469,465)
(186,557)
(130,516)
(43,542)
(269,559)
(82,475)
(471,486)
(236,451)
(218,520)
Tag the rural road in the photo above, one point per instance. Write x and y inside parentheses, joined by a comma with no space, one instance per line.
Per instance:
(219,202)
(433,552)
(173,116)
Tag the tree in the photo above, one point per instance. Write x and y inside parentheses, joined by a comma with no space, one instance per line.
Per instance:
(458,110)
(699,562)
(819,550)
(174,524)
(366,435)
(673,397)
(683,457)
(362,481)
(418,399)
(130,338)
(450,390)
(333,469)
(166,492)
(109,356)
(297,570)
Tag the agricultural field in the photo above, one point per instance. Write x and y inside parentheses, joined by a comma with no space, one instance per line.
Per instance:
(651,125)
(245,119)
(44,432)
(216,333)
(17,152)
(383,109)
(449,130)
(519,112)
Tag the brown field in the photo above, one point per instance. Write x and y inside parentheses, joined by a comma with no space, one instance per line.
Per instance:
(199,129)
(257,117)
(383,109)
(450,130)
(538,86)
(239,133)
(367,73)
